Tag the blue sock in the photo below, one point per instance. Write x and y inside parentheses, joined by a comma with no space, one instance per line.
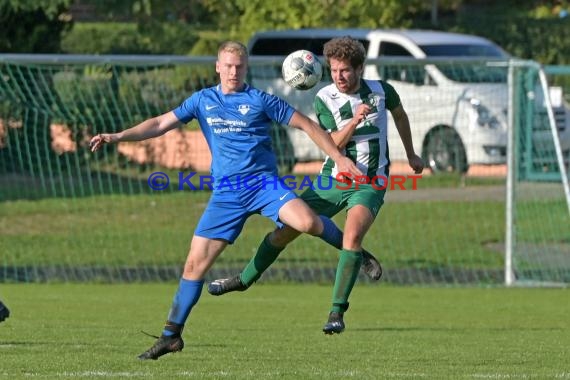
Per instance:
(331,233)
(186,296)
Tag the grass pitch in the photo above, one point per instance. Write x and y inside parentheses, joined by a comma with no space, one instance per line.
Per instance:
(440,233)
(92,331)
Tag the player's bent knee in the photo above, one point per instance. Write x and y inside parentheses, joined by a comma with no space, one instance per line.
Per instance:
(314,227)
(298,216)
(308,227)
(352,241)
(196,268)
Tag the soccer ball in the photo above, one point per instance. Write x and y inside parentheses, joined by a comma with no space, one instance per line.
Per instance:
(302,70)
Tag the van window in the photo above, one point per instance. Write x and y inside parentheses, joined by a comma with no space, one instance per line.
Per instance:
(407,73)
(456,50)
(284,46)
(393,50)
(474,73)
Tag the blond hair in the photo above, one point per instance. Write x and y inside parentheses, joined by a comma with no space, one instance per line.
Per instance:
(233,47)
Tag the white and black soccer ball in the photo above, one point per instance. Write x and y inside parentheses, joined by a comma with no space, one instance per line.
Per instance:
(302,70)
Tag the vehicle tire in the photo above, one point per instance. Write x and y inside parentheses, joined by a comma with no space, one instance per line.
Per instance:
(444,152)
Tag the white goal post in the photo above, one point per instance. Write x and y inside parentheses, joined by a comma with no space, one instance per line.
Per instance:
(514,158)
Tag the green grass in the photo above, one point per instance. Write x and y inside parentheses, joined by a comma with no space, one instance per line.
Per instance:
(418,233)
(120,230)
(156,229)
(273,332)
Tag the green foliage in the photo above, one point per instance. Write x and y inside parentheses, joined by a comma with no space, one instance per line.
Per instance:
(191,12)
(168,37)
(98,94)
(208,44)
(50,8)
(129,38)
(84,95)
(242,18)
(550,11)
(526,30)
(33,26)
(162,88)
(102,38)
(543,40)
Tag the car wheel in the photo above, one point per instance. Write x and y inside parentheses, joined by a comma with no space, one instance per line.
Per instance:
(444,152)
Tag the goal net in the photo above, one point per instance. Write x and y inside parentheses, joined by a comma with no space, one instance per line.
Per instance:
(537,247)
(67,214)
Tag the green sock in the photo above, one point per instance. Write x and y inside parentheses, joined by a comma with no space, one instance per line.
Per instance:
(346,274)
(265,256)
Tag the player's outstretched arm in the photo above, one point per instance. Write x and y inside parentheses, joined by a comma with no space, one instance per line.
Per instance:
(149,128)
(325,142)
(403,125)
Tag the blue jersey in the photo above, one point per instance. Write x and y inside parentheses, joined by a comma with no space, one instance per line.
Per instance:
(237,129)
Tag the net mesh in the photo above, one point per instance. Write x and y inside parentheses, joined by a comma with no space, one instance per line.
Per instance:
(69,215)
(541,249)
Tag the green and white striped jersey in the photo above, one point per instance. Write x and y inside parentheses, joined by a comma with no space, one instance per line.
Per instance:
(368,146)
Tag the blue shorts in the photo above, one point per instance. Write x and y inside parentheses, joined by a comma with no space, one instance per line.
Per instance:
(227,210)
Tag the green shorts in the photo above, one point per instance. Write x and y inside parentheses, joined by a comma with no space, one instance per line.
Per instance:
(328,196)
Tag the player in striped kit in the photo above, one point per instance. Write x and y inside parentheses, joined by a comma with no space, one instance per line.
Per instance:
(354,112)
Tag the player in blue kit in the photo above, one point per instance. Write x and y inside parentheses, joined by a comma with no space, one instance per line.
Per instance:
(236,119)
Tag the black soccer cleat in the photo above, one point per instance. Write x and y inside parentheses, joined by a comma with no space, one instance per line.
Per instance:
(226,285)
(371,266)
(335,324)
(4,312)
(163,346)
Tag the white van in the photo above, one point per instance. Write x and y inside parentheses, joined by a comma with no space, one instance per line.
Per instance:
(458,112)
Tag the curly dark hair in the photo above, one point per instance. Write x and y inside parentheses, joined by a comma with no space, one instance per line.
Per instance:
(345,48)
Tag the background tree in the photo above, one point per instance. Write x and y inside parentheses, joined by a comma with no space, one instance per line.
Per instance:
(33,26)
(139,27)
(191,12)
(242,18)
(532,29)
